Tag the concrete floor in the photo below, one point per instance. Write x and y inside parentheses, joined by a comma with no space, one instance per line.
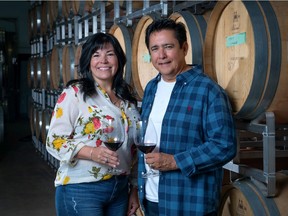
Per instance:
(26,179)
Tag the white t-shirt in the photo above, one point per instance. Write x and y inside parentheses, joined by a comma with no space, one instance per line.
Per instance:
(160,104)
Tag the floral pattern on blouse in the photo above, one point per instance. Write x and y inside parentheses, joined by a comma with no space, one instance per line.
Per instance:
(76,123)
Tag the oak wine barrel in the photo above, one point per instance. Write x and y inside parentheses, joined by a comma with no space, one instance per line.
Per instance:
(82,7)
(56,69)
(244,197)
(37,72)
(38,122)
(44,17)
(142,68)
(46,117)
(46,72)
(196,29)
(68,62)
(30,73)
(124,36)
(76,60)
(31,118)
(31,16)
(43,84)
(67,8)
(54,12)
(246,53)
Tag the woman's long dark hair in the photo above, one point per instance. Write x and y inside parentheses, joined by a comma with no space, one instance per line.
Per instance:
(95,42)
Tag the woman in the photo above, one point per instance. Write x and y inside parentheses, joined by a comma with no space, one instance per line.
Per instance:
(83,183)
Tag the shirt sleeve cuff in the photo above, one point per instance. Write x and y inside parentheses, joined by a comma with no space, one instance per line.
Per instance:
(185,163)
(73,161)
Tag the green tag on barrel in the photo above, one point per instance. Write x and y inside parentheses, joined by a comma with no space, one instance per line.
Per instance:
(236,39)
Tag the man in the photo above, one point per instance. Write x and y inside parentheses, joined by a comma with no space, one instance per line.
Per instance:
(196,133)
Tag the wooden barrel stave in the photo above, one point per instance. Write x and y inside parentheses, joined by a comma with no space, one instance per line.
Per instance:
(54,13)
(38,123)
(31,13)
(34,121)
(35,20)
(142,68)
(43,84)
(44,22)
(48,71)
(68,62)
(279,103)
(37,72)
(30,73)
(196,29)
(67,9)
(124,36)
(46,117)
(56,69)
(82,7)
(77,61)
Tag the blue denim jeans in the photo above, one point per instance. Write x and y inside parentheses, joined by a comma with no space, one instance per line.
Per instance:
(103,198)
(151,208)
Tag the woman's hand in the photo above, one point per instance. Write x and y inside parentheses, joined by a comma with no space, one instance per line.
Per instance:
(105,156)
(133,204)
(99,154)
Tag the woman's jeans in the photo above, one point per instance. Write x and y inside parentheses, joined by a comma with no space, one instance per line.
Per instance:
(102,198)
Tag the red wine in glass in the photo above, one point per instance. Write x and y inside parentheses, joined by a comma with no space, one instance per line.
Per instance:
(145,138)
(146,147)
(113,146)
(113,136)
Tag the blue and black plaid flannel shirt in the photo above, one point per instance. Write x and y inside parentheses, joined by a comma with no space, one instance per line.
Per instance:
(198,129)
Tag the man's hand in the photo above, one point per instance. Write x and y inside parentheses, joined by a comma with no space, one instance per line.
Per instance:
(161,161)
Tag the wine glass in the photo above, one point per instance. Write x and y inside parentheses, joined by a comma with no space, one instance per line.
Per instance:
(113,136)
(145,139)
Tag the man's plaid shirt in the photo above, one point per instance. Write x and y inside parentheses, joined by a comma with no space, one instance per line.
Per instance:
(198,129)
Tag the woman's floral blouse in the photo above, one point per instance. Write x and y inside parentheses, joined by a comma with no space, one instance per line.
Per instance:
(76,123)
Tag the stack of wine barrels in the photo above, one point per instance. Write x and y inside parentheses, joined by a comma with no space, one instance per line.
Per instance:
(241,44)
(247,60)
(246,53)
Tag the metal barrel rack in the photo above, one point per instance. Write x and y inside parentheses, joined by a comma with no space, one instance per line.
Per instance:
(271,149)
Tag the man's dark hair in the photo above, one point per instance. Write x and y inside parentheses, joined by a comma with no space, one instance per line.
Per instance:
(167,24)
